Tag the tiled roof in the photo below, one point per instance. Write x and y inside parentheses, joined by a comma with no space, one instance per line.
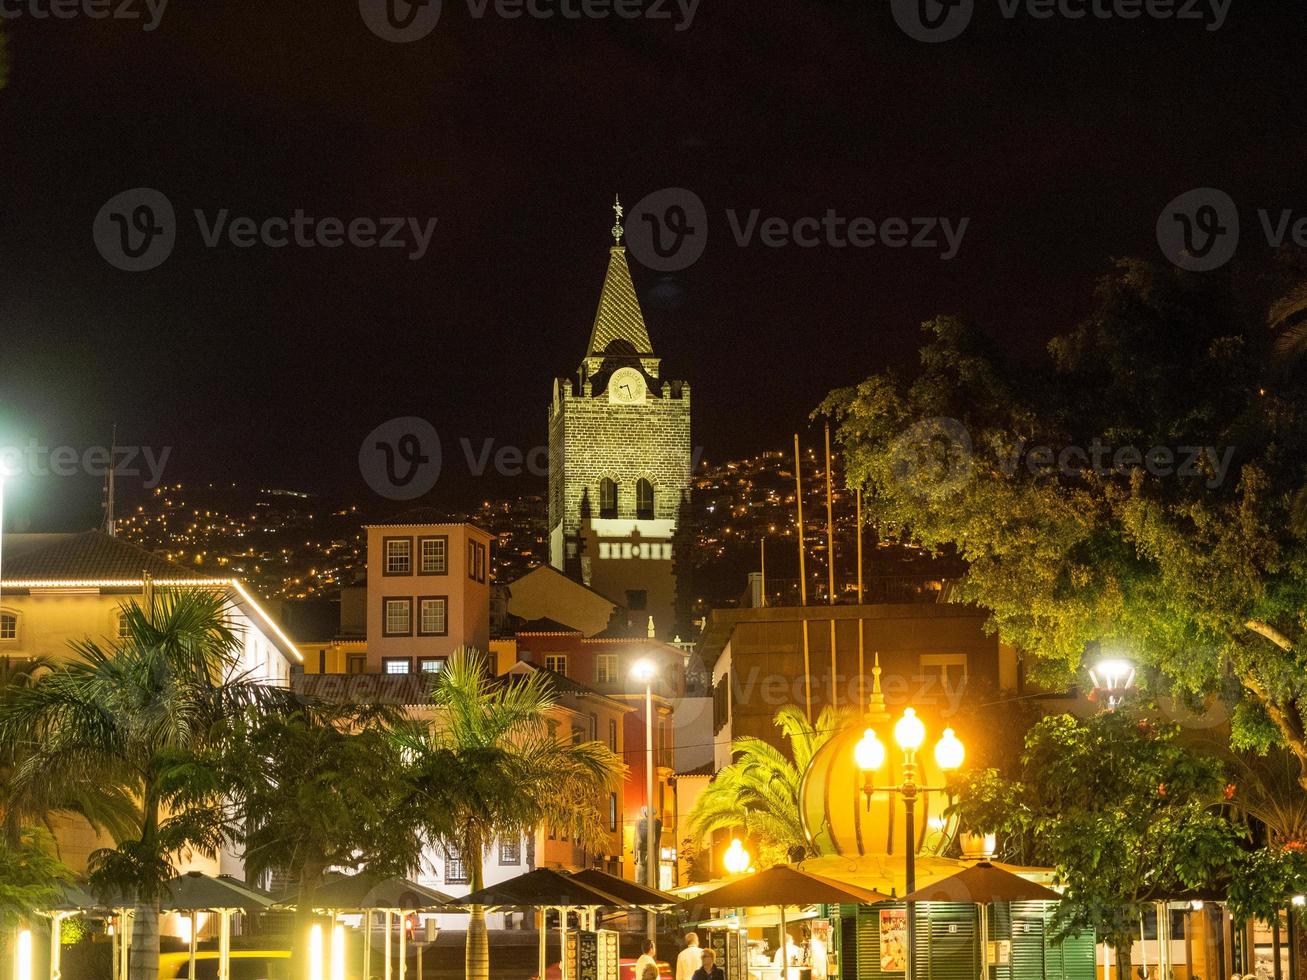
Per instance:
(545,625)
(619,316)
(90,556)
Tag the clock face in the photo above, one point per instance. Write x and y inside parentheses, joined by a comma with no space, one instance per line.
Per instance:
(626,386)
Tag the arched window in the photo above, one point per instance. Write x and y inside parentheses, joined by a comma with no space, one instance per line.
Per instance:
(607,498)
(8,626)
(124,628)
(644,500)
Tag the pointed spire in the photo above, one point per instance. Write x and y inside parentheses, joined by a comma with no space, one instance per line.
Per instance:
(619,316)
(617,223)
(876,710)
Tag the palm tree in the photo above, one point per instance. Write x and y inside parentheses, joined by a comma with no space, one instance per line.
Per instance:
(759,790)
(490,765)
(138,716)
(320,786)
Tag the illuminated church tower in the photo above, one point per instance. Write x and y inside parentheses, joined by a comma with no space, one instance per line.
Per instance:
(619,459)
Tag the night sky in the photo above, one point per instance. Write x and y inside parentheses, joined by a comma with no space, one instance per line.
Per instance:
(1060,140)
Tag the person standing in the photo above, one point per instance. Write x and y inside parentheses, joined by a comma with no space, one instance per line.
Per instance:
(709,970)
(648,951)
(691,958)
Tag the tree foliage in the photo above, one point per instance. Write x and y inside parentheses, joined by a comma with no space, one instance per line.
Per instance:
(1124,813)
(491,764)
(140,715)
(1137,489)
(759,791)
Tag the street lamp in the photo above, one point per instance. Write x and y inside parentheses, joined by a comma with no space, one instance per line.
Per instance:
(910,734)
(1112,678)
(644,671)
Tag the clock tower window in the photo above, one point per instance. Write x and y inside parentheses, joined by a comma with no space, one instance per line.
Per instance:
(607,498)
(644,500)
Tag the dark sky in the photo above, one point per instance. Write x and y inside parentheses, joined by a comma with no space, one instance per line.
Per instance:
(1060,140)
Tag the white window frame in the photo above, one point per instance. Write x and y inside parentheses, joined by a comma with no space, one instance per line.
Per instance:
(606,665)
(557,662)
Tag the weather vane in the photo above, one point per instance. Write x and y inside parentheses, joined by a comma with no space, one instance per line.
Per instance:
(617,225)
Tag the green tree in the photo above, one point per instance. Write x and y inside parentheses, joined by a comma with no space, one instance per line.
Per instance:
(319,786)
(490,764)
(1041,477)
(1123,812)
(140,715)
(759,790)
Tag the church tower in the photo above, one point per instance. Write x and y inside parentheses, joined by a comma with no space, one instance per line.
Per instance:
(619,459)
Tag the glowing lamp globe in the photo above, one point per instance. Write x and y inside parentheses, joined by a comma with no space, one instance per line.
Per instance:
(833,805)
(949,751)
(870,752)
(909,732)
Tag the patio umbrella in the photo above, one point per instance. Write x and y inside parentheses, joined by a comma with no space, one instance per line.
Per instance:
(70,900)
(545,889)
(791,886)
(983,884)
(367,893)
(197,892)
(630,891)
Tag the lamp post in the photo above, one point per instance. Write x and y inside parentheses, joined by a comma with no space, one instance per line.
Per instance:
(1112,677)
(644,672)
(909,733)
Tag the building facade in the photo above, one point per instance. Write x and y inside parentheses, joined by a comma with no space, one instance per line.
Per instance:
(620,460)
(58,589)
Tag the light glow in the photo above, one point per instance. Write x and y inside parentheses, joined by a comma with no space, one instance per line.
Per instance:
(315,953)
(736,858)
(869,752)
(1299,901)
(949,751)
(643,671)
(909,732)
(338,952)
(23,956)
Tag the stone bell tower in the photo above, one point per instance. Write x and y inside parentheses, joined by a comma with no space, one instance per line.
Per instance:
(619,458)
